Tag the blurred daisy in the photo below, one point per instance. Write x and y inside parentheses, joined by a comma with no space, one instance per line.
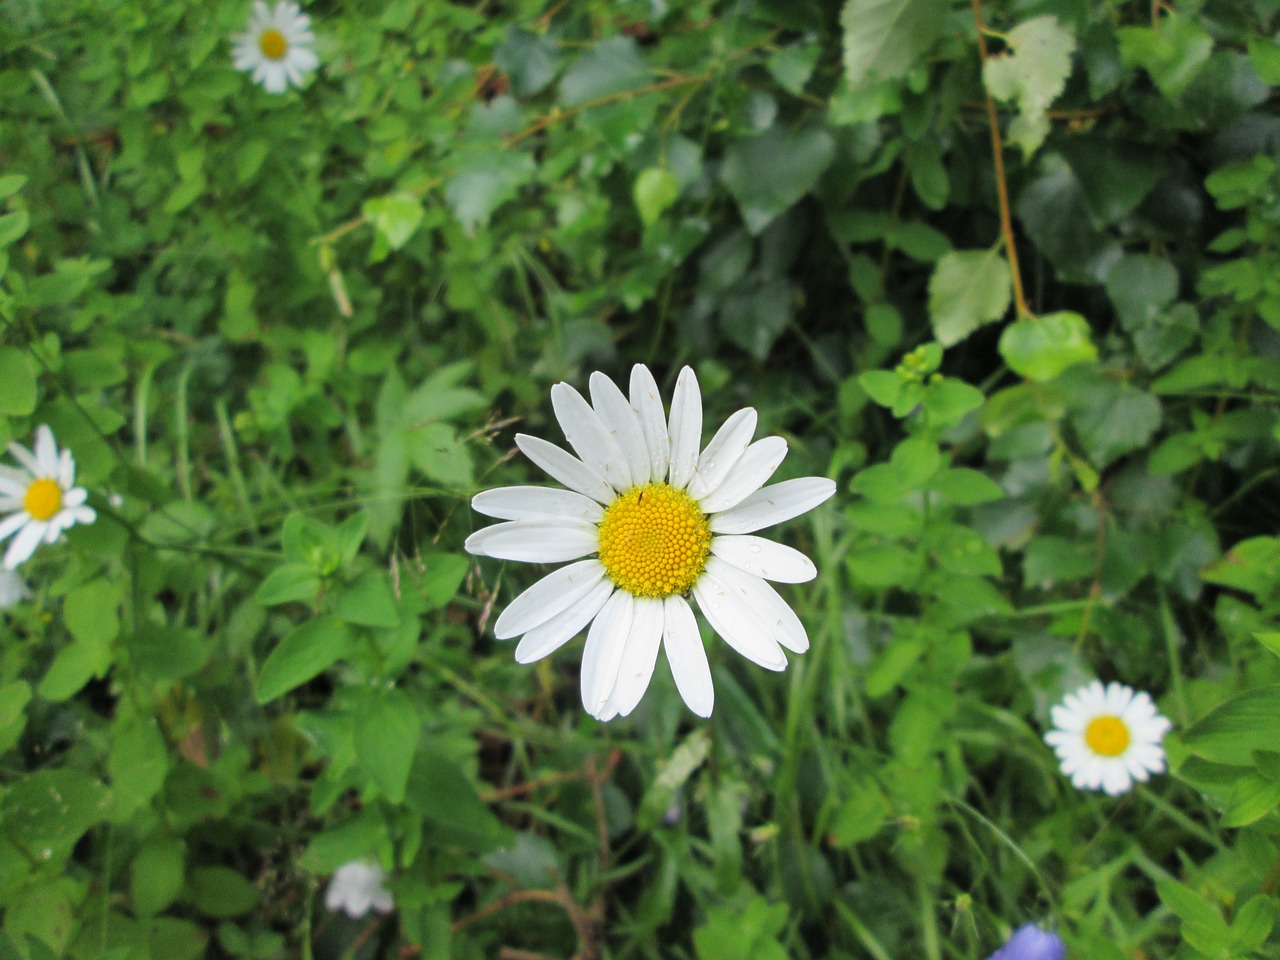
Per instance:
(276,46)
(1029,942)
(356,887)
(42,494)
(1108,737)
(655,520)
(13,589)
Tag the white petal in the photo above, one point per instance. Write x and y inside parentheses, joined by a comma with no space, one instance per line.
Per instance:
(563,627)
(303,58)
(14,482)
(764,558)
(589,437)
(616,414)
(736,623)
(82,514)
(551,595)
(12,524)
(640,656)
(685,428)
(565,467)
(26,458)
(687,656)
(46,452)
(8,504)
(749,474)
(25,543)
(1116,779)
(606,643)
(773,504)
(535,541)
(724,450)
(774,614)
(66,470)
(536,503)
(74,497)
(646,402)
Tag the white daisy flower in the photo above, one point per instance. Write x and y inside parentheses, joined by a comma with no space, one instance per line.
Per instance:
(356,887)
(13,589)
(655,520)
(43,496)
(276,46)
(1108,737)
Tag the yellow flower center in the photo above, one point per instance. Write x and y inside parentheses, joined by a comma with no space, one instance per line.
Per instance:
(654,541)
(273,44)
(43,499)
(1107,736)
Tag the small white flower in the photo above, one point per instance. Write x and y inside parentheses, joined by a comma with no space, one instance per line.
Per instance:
(43,496)
(356,887)
(13,589)
(1108,737)
(657,520)
(276,46)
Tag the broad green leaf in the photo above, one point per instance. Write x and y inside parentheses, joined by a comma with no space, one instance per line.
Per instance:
(484,183)
(1173,54)
(529,59)
(302,654)
(1252,565)
(436,450)
(446,797)
(92,612)
(965,487)
(1265,55)
(368,601)
(220,892)
(361,836)
(769,173)
(968,288)
(1202,924)
(46,916)
(1116,419)
(13,226)
(17,382)
(157,876)
(1252,797)
(1140,287)
(14,697)
(387,727)
(138,763)
(1232,731)
(655,190)
(439,579)
(289,583)
(395,217)
(884,39)
(48,811)
(11,183)
(1033,74)
(1252,924)
(605,69)
(1040,349)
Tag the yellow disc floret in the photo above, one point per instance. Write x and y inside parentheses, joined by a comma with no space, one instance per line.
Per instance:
(654,541)
(272,44)
(43,499)
(1107,736)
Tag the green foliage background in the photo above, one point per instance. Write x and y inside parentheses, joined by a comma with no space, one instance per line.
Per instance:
(295,333)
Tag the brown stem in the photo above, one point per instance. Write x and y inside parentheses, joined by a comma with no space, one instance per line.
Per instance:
(1002,188)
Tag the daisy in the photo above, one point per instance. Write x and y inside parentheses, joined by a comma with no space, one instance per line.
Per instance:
(1108,737)
(356,887)
(42,494)
(277,46)
(650,520)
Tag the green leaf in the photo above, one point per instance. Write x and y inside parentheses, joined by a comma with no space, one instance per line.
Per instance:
(289,583)
(92,614)
(157,876)
(1252,565)
(354,839)
(439,579)
(1173,54)
(884,39)
(395,217)
(14,697)
(47,812)
(17,382)
(1252,924)
(1232,731)
(220,892)
(1265,56)
(368,601)
(529,59)
(607,68)
(484,183)
(769,173)
(1202,924)
(138,763)
(302,654)
(13,226)
(386,729)
(1033,74)
(436,450)
(1040,349)
(11,183)
(447,799)
(964,487)
(968,288)
(1116,420)
(655,190)
(1140,287)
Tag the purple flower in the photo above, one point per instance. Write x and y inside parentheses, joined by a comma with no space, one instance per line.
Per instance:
(1029,942)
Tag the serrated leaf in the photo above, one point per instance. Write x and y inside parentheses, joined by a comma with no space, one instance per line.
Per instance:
(968,288)
(1033,74)
(884,39)
(1040,349)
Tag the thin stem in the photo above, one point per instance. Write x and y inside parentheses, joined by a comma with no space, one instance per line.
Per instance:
(1002,188)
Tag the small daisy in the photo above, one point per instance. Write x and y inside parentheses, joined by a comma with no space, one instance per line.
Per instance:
(277,46)
(43,495)
(656,520)
(356,887)
(1029,942)
(1108,737)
